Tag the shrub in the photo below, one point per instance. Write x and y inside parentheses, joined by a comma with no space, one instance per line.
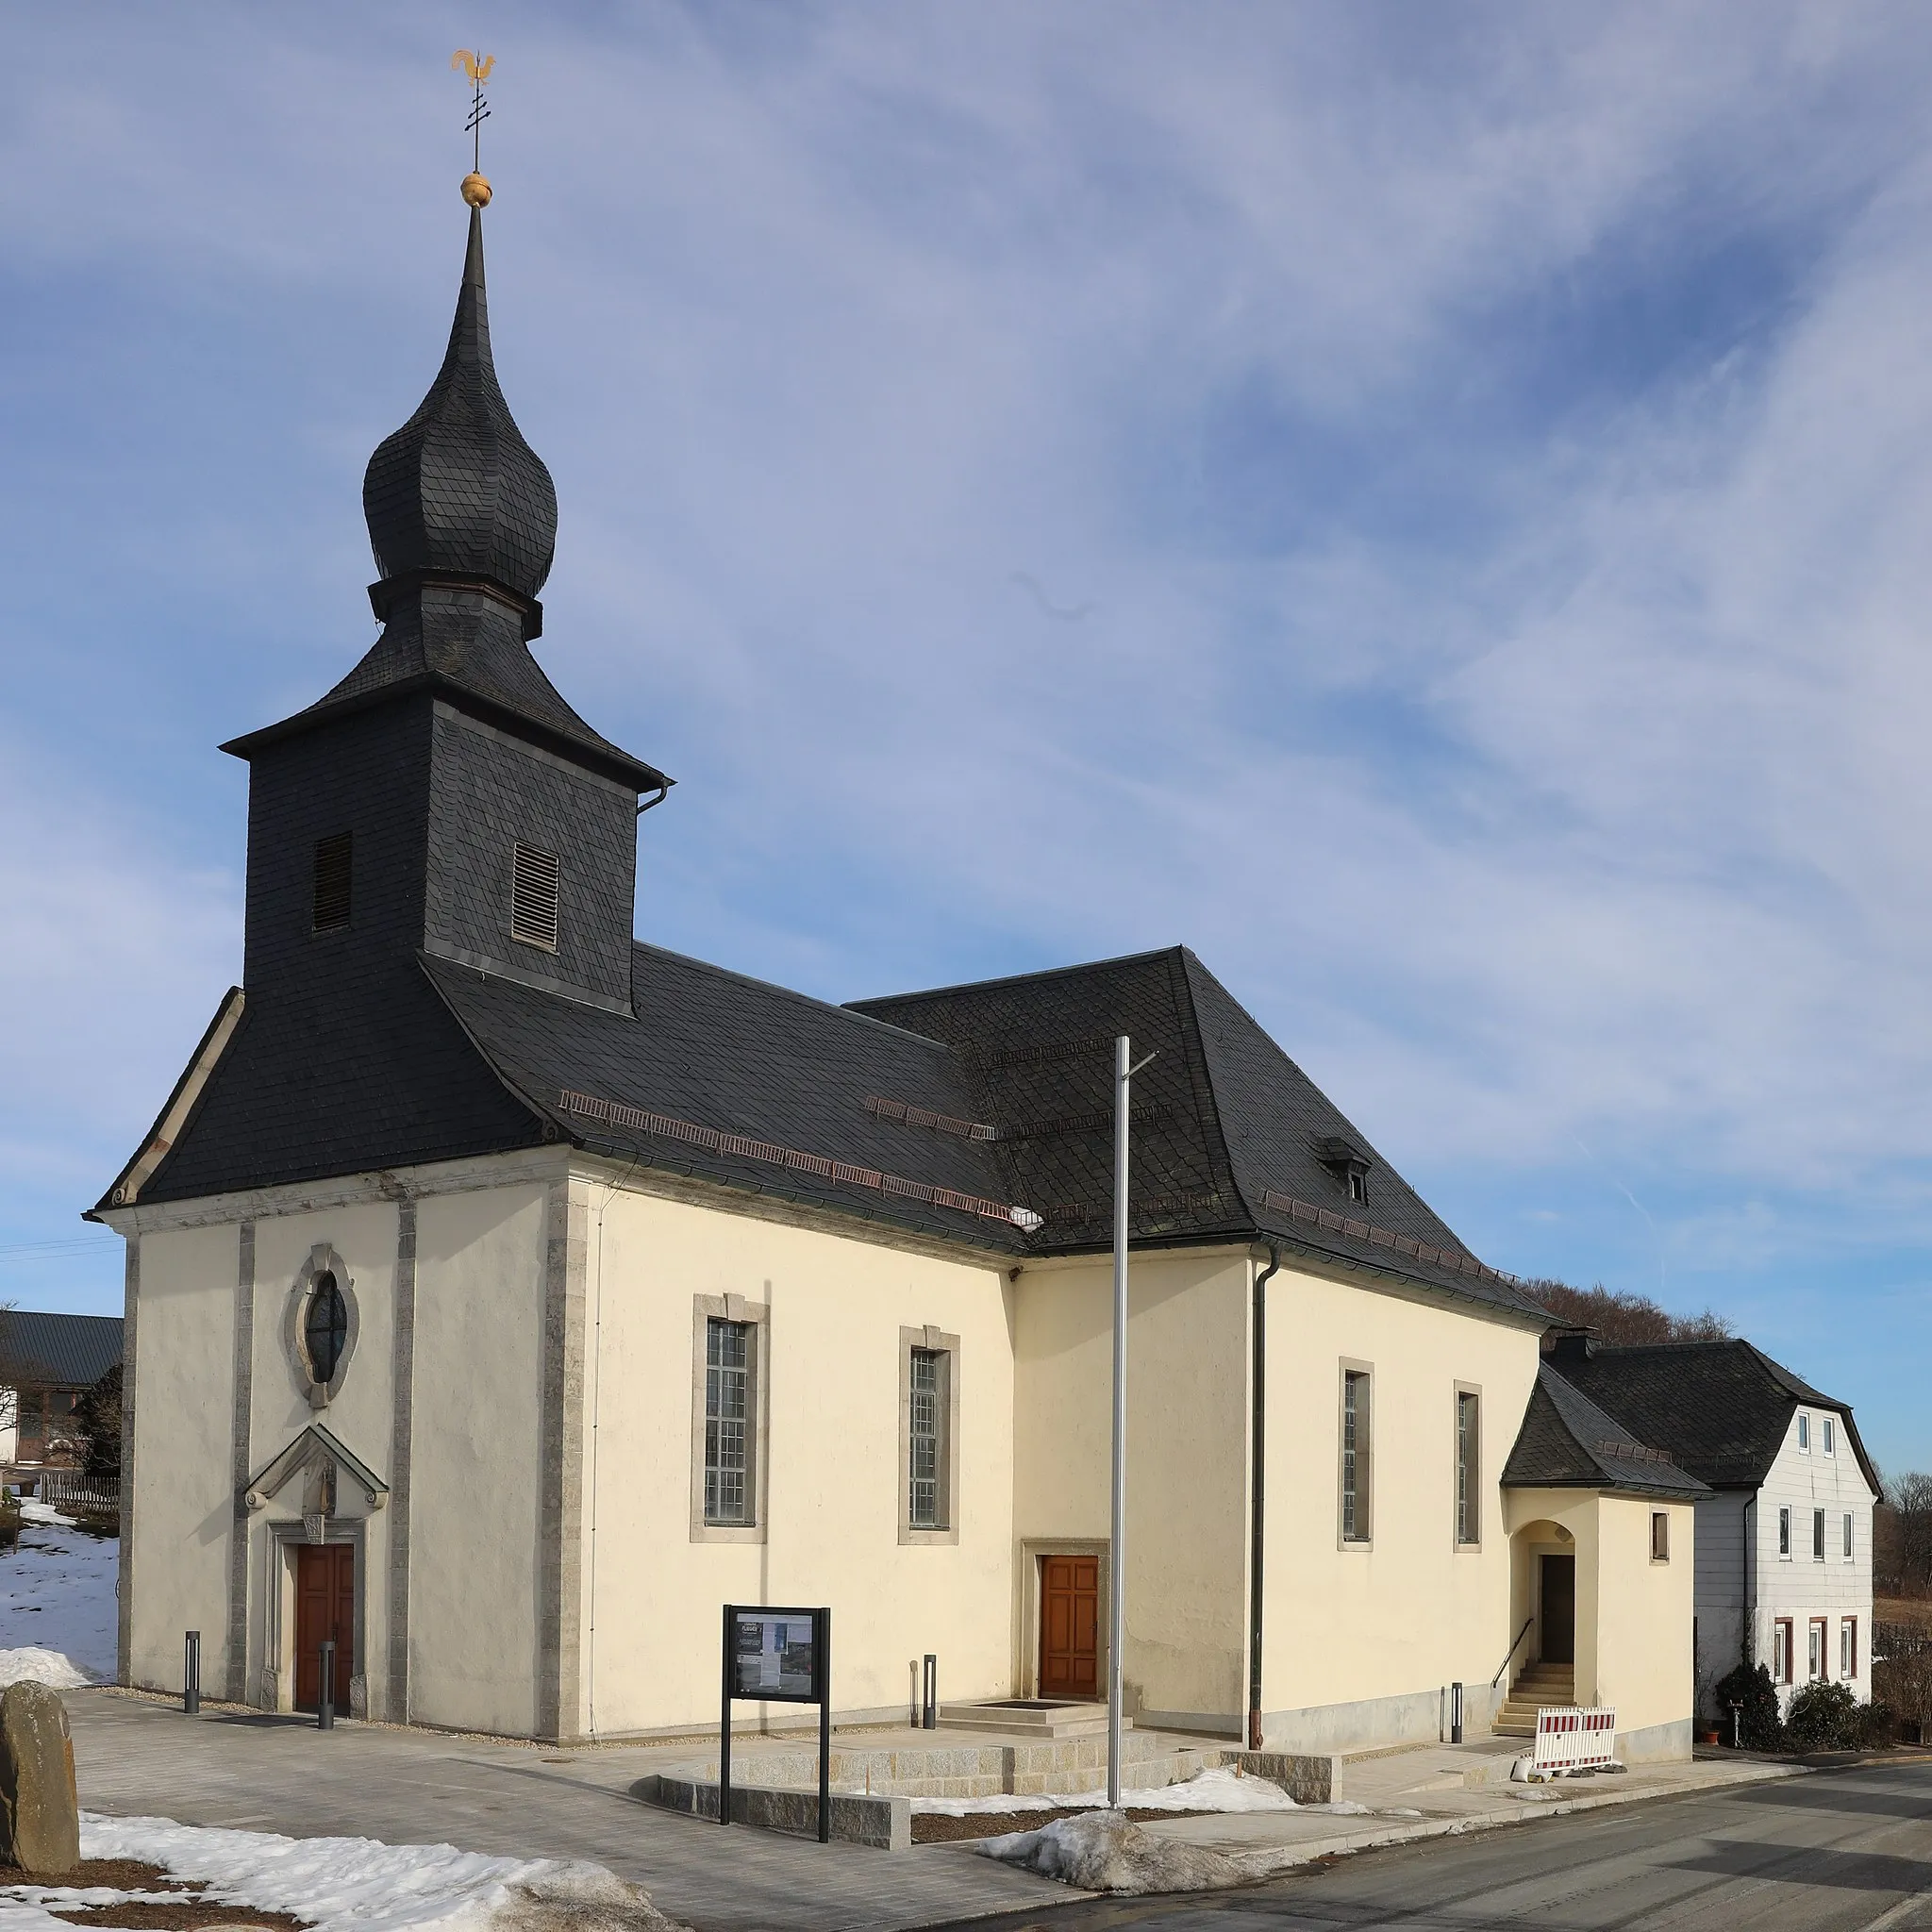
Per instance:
(1761,1728)
(1824,1717)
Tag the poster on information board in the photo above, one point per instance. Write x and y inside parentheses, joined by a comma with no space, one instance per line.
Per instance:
(774,1654)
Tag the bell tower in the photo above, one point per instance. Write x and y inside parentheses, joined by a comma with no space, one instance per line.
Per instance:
(443,798)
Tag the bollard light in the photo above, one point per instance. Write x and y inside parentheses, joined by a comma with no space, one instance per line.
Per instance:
(325,1685)
(191,1674)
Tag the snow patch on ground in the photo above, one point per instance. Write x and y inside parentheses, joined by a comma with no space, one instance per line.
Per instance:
(57,1596)
(1102,1852)
(362,1885)
(33,1665)
(1207,1790)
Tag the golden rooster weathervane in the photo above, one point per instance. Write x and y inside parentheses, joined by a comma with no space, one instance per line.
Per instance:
(477,66)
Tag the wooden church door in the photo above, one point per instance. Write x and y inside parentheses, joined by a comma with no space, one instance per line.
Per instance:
(324,1608)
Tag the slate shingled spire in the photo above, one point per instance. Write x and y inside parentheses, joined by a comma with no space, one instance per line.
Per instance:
(462,519)
(456,490)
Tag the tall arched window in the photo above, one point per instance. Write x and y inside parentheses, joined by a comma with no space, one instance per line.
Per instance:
(326,1327)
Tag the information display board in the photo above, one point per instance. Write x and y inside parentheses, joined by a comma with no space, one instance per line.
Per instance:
(777,1656)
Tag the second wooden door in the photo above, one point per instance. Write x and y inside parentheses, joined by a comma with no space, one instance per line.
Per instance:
(1070,1626)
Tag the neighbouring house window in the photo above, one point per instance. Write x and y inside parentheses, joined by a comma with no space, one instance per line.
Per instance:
(1781,1651)
(1358,1185)
(1356,1450)
(1818,1536)
(1784,1532)
(1848,1533)
(1804,1430)
(1469,1511)
(1831,1435)
(1659,1536)
(330,905)
(1848,1648)
(730,1361)
(926,1429)
(533,896)
(326,1327)
(1817,1659)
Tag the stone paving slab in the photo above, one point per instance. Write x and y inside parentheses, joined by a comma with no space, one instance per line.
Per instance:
(407,1787)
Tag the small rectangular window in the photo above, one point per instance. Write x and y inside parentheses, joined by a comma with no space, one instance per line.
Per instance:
(1358,1185)
(1781,1651)
(1818,1536)
(1804,1430)
(1356,1455)
(533,895)
(1469,1513)
(1659,1536)
(925,1503)
(330,905)
(1831,1435)
(729,1365)
(1816,1652)
(1784,1532)
(1848,1533)
(1848,1648)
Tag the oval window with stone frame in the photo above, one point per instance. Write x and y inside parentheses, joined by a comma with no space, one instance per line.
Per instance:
(326,1327)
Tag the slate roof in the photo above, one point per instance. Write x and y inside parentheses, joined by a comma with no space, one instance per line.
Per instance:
(1232,1141)
(1228,1131)
(1722,1409)
(1566,1442)
(48,1351)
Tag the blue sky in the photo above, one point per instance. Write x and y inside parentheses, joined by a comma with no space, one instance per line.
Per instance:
(1426,505)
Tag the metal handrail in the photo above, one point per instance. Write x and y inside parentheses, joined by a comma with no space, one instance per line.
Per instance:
(1511,1651)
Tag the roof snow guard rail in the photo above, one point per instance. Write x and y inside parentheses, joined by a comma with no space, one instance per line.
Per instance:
(641,1120)
(925,1117)
(1452,1258)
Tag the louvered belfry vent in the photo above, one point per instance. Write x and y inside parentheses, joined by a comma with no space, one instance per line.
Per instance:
(331,908)
(533,896)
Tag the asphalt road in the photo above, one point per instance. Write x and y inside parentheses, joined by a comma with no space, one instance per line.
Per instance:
(1837,1850)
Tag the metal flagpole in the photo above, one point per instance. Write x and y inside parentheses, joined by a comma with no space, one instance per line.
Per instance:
(1117,1553)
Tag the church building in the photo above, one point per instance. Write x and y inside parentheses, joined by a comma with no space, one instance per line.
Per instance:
(506,1294)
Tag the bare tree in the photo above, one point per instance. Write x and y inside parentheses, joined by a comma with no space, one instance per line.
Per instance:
(1626,1318)
(1910,1500)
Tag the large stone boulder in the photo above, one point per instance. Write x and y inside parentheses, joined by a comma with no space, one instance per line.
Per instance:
(39,1810)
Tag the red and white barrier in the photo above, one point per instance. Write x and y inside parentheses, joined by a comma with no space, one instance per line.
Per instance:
(1574,1739)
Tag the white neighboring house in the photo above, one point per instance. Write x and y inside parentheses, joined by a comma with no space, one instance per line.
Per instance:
(1784,1539)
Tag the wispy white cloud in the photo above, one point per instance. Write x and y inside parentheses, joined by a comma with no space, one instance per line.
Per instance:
(1487,451)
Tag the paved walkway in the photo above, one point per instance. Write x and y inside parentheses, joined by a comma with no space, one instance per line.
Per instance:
(266,1773)
(235,1768)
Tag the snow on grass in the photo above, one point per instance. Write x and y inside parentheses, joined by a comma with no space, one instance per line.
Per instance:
(1207,1790)
(362,1885)
(56,1600)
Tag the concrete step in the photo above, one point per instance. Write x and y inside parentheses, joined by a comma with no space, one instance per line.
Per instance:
(1042,1717)
(961,1768)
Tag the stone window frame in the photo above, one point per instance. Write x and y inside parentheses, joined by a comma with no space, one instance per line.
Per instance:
(1365,1461)
(1470,1546)
(323,1258)
(938,1342)
(731,1307)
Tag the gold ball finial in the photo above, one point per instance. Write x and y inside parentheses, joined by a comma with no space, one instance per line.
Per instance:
(475,191)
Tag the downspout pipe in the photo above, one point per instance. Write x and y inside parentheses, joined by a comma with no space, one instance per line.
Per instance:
(1257,1453)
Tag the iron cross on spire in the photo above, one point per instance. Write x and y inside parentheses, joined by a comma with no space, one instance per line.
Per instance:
(477,66)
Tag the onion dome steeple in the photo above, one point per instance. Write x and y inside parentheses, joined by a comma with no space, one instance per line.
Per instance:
(462,519)
(457,491)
